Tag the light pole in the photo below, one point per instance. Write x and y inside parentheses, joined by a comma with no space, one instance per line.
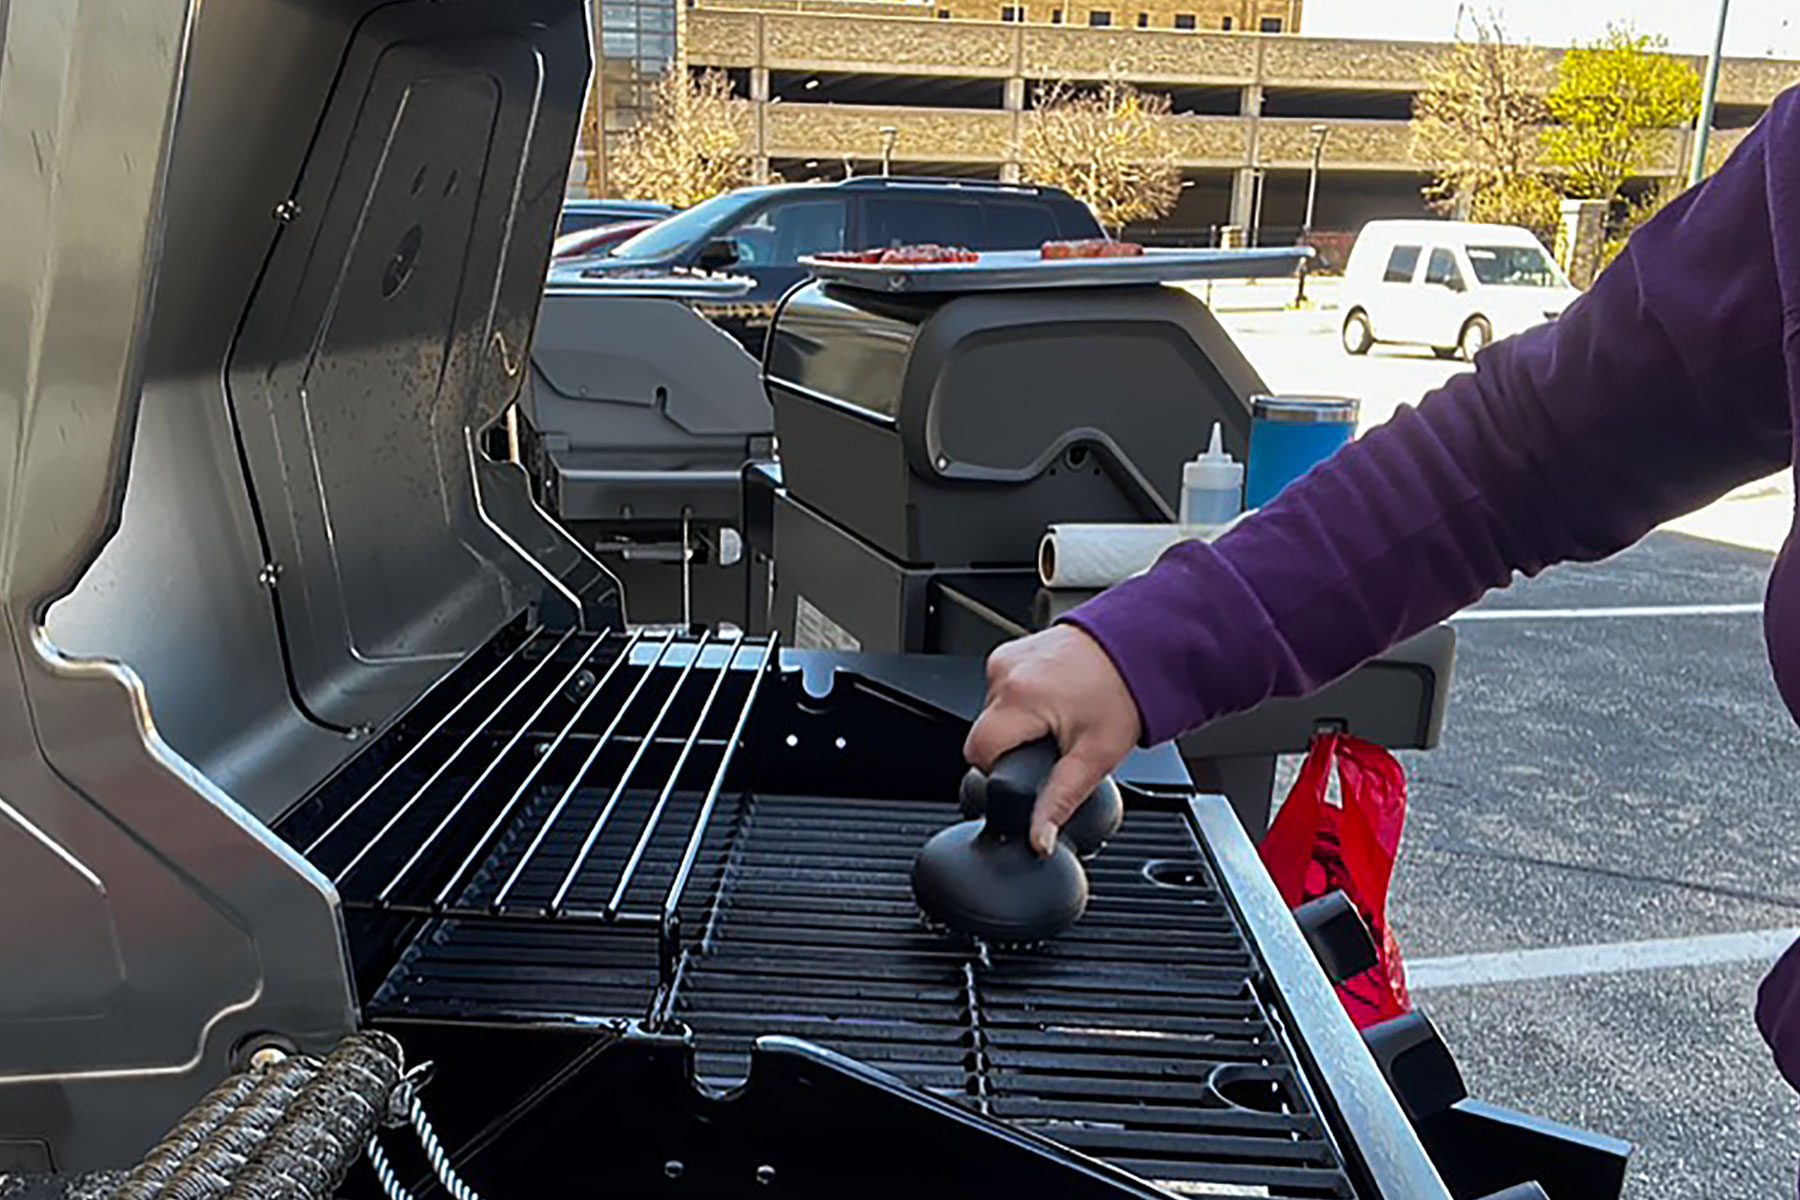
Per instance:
(1319,134)
(1258,179)
(889,135)
(1709,100)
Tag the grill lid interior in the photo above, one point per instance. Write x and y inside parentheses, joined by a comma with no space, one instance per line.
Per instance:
(390,326)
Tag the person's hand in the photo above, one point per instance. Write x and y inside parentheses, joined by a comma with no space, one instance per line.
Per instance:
(1057,683)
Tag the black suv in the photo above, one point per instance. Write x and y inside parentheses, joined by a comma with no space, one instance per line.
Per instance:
(763,232)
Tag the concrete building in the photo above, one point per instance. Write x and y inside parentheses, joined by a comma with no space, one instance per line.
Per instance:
(823,78)
(635,41)
(1269,17)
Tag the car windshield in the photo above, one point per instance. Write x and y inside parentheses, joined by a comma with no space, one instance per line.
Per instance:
(1514,266)
(666,237)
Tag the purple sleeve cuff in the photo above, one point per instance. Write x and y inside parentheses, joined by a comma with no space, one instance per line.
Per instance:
(1159,629)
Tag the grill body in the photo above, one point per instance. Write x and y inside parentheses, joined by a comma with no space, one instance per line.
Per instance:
(945,430)
(588,859)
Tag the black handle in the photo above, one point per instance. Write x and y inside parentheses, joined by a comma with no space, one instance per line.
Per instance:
(1337,935)
(1013,786)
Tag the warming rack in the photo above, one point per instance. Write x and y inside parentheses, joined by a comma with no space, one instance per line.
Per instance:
(572,780)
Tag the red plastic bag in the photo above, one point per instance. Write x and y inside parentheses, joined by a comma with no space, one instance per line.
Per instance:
(1316,847)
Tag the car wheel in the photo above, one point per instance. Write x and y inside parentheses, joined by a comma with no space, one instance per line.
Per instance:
(1359,335)
(1476,336)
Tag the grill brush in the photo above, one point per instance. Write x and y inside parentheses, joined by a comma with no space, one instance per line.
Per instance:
(1087,831)
(983,879)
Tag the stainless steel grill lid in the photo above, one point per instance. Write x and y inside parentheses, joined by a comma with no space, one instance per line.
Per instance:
(268,268)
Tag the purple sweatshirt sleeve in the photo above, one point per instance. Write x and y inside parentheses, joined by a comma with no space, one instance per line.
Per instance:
(1656,393)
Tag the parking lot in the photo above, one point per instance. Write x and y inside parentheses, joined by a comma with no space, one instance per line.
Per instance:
(1601,858)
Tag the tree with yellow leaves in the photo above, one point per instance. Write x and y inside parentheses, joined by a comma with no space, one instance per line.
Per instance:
(1109,146)
(1610,101)
(690,147)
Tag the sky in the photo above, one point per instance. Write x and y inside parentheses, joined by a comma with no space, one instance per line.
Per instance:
(1757,28)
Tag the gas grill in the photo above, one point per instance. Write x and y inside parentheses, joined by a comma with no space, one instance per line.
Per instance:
(315,729)
(676,832)
(638,414)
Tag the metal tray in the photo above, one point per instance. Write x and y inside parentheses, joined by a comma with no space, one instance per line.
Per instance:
(1005,269)
(669,286)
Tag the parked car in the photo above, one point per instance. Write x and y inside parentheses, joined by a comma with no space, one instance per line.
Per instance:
(586,214)
(763,232)
(1450,285)
(597,240)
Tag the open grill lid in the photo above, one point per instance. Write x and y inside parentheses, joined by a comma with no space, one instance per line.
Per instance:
(353,230)
(392,323)
(268,269)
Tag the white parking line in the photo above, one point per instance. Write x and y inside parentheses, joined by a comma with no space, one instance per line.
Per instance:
(1604,614)
(1615,958)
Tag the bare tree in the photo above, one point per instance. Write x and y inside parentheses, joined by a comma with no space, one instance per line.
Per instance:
(1108,145)
(690,147)
(591,144)
(1477,125)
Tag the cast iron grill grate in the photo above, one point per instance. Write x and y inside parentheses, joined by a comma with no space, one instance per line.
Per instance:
(1137,1038)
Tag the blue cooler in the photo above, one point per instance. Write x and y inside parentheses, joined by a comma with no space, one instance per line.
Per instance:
(1289,436)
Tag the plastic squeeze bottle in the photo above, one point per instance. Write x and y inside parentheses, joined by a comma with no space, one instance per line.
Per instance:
(1212,486)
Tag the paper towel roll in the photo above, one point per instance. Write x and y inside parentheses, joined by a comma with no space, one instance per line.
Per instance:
(1098,556)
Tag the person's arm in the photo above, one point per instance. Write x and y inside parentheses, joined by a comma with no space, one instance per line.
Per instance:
(1657,392)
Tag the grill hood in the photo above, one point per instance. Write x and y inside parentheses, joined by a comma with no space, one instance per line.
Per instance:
(269,269)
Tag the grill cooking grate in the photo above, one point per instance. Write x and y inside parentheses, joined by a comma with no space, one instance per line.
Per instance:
(1137,1037)
(570,778)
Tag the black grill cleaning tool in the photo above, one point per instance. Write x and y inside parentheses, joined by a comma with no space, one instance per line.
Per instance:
(1087,832)
(973,794)
(982,878)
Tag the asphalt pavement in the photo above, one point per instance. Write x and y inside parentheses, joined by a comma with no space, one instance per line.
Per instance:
(1612,780)
(1604,853)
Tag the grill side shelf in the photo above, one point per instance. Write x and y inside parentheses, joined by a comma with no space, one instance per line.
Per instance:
(1373,1129)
